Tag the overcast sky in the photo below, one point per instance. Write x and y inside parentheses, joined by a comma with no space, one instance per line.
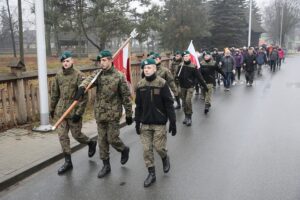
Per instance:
(29,18)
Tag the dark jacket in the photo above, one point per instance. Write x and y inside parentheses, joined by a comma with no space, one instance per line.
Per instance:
(238,60)
(154,102)
(261,58)
(274,55)
(228,64)
(249,63)
(208,71)
(217,57)
(188,74)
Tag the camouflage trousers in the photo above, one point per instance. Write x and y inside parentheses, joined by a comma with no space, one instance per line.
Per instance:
(208,94)
(75,129)
(108,134)
(186,96)
(153,135)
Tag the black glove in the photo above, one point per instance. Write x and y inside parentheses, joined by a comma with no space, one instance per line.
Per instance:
(52,114)
(79,93)
(138,128)
(172,128)
(76,118)
(128,120)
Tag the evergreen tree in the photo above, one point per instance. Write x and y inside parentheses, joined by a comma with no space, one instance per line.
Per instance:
(229,24)
(185,20)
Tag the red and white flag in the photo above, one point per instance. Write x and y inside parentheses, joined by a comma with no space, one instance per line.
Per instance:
(122,63)
(194,58)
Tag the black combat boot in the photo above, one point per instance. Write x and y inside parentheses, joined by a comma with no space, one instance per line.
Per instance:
(105,169)
(206,109)
(66,166)
(189,120)
(92,148)
(124,155)
(151,178)
(166,164)
(185,119)
(178,103)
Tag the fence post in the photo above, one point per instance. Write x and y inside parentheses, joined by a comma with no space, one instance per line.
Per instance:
(21,101)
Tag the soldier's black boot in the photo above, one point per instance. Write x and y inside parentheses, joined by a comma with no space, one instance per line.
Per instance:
(206,109)
(166,164)
(151,178)
(92,148)
(178,106)
(105,169)
(189,120)
(185,119)
(124,155)
(66,166)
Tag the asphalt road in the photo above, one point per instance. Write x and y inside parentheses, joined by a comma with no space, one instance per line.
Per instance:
(246,148)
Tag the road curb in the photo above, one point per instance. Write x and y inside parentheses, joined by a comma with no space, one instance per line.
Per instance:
(28,171)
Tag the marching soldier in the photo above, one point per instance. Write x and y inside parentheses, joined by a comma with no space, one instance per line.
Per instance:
(64,87)
(154,106)
(111,94)
(177,60)
(165,73)
(188,74)
(208,69)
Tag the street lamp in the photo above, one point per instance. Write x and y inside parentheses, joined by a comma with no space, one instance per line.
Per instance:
(250,24)
(281,24)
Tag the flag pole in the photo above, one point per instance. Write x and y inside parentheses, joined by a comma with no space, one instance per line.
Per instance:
(133,34)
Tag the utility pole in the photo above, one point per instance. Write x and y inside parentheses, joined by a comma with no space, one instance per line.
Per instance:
(21,31)
(281,24)
(42,67)
(250,24)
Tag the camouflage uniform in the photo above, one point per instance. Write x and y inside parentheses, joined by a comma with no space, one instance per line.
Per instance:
(154,106)
(112,92)
(188,75)
(63,89)
(165,73)
(174,67)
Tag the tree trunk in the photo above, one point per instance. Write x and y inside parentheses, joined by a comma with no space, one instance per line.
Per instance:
(11,30)
(58,47)
(21,31)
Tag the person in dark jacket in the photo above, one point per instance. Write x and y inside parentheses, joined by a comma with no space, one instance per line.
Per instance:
(228,67)
(273,59)
(217,57)
(187,75)
(261,59)
(208,69)
(249,66)
(154,107)
(238,57)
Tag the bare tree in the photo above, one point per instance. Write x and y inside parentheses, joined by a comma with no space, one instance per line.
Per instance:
(281,13)
(11,29)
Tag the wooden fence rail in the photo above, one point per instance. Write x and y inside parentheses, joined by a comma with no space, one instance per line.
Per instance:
(11,110)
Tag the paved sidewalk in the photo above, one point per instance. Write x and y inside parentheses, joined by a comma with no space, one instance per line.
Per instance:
(24,152)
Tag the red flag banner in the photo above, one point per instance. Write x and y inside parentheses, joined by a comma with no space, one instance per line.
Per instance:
(121,62)
(194,58)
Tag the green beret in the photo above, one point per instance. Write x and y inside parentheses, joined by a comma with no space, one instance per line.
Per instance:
(178,53)
(151,53)
(186,52)
(156,55)
(148,61)
(65,55)
(103,54)
(207,53)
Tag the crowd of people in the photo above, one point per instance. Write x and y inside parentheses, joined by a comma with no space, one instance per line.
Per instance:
(155,94)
